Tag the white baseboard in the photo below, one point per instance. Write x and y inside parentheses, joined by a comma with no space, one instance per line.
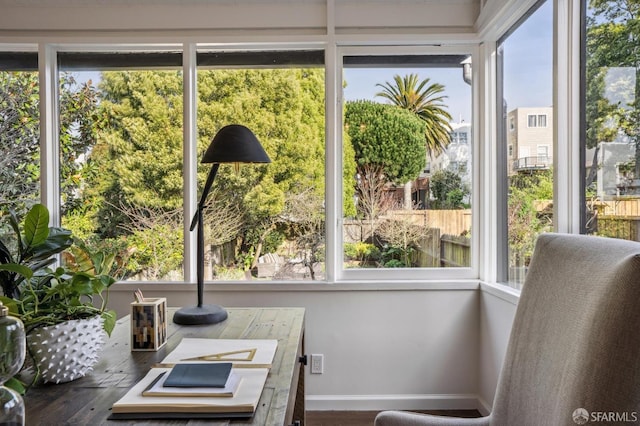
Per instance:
(394,402)
(484,407)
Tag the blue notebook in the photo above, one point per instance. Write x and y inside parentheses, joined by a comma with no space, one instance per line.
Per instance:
(199,375)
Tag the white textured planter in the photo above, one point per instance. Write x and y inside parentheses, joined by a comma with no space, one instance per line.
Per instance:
(67,351)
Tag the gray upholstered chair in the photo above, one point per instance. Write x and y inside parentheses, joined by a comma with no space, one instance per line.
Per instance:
(575,341)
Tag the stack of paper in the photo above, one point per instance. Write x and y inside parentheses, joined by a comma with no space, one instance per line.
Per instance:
(151,398)
(211,379)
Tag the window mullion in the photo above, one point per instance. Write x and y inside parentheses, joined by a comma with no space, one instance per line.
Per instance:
(49,135)
(190,152)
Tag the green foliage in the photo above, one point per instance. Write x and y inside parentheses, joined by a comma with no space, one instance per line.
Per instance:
(396,257)
(525,218)
(361,251)
(155,252)
(448,190)
(40,295)
(140,146)
(389,136)
(19,140)
(31,248)
(613,36)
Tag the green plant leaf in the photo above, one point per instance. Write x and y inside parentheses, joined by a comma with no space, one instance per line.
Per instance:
(11,304)
(57,240)
(5,254)
(36,226)
(81,284)
(25,271)
(109,321)
(16,385)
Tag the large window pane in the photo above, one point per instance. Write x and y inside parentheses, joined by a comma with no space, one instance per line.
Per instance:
(19,132)
(121,159)
(526,132)
(612,135)
(265,222)
(407,161)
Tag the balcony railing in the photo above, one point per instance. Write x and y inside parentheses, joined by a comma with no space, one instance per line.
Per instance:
(540,162)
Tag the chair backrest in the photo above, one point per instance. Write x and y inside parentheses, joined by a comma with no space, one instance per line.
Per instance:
(575,341)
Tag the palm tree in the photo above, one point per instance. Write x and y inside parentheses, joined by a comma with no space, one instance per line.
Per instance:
(425,100)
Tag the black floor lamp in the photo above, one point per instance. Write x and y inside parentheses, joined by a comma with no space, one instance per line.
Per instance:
(232,144)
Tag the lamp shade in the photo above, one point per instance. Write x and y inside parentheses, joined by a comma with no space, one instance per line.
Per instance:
(235,144)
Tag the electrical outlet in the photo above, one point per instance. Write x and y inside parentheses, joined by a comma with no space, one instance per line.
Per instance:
(317,363)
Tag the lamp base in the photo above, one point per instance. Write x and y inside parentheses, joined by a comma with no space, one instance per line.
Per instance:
(197,315)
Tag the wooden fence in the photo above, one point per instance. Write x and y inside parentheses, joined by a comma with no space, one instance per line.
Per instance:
(450,222)
(623,227)
(455,251)
(620,207)
(443,245)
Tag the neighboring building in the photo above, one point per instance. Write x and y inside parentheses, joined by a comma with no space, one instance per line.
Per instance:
(457,156)
(616,163)
(529,139)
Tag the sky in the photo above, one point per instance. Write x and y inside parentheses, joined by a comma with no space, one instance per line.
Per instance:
(527,71)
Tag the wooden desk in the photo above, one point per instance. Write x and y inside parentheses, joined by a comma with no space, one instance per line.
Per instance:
(87,401)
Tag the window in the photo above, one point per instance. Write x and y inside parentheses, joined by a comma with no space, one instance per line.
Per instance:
(127,163)
(459,138)
(537,120)
(266,219)
(543,151)
(611,135)
(542,120)
(121,158)
(525,83)
(398,216)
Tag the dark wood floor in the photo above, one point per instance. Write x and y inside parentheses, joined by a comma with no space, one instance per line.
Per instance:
(365,418)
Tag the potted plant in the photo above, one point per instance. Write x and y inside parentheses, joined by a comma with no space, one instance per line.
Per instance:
(63,308)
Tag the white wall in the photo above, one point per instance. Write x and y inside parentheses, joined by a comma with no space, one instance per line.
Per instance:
(411,349)
(497,311)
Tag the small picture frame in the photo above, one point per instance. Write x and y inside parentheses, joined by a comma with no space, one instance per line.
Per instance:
(149,324)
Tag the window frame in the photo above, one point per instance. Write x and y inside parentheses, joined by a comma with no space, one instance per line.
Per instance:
(411,274)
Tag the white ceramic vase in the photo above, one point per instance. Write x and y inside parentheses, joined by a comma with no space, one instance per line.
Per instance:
(67,351)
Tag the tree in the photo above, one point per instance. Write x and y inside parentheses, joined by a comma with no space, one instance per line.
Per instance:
(613,40)
(425,101)
(140,145)
(305,219)
(448,190)
(387,136)
(525,220)
(20,138)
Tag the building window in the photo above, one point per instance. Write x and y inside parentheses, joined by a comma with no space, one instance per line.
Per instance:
(542,120)
(536,120)
(525,205)
(543,151)
(399,217)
